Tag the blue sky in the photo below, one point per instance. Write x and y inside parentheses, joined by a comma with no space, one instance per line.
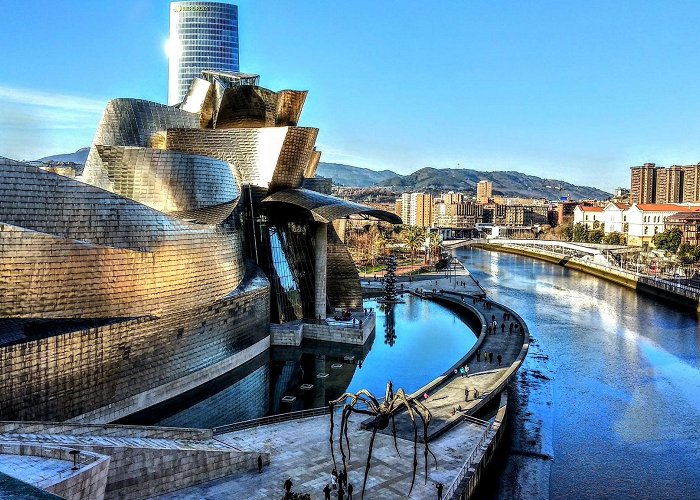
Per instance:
(578,91)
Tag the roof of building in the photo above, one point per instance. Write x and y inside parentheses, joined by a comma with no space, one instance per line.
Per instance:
(664,207)
(324,208)
(590,209)
(682,216)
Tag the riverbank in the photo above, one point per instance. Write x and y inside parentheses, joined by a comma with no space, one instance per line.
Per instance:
(659,289)
(616,386)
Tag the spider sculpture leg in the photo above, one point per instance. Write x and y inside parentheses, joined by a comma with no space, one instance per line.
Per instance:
(369,458)
(371,403)
(393,431)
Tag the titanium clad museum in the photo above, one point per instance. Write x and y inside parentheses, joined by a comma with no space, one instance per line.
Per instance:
(188,233)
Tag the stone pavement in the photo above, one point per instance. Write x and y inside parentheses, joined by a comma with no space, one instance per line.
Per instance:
(32,470)
(300,449)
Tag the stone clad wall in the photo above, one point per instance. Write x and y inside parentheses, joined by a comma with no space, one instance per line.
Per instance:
(64,376)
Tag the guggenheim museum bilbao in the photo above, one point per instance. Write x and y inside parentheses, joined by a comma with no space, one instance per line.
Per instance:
(191,229)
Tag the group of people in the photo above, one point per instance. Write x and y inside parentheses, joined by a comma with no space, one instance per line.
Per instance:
(488,356)
(339,483)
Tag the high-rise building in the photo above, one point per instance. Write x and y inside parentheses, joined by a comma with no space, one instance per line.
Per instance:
(416,209)
(484,191)
(203,36)
(643,183)
(674,184)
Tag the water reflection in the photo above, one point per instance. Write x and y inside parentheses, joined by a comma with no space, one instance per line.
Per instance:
(626,379)
(421,341)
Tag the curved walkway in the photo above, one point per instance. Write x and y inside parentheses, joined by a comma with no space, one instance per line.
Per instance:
(452,397)
(299,449)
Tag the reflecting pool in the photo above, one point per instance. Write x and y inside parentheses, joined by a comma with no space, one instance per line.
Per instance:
(413,343)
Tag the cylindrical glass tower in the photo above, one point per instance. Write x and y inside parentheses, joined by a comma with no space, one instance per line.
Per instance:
(203,35)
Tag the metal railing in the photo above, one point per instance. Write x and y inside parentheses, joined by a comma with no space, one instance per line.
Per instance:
(452,490)
(670,286)
(54,477)
(272,419)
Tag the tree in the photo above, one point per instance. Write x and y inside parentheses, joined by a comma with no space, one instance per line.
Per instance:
(687,253)
(433,243)
(613,239)
(596,236)
(579,233)
(668,240)
(414,237)
(568,232)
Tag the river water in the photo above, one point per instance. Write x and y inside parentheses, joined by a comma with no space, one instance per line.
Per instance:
(607,404)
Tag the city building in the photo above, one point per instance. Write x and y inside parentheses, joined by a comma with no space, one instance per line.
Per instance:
(461,215)
(647,219)
(162,268)
(591,217)
(674,184)
(203,36)
(565,209)
(484,191)
(643,183)
(688,223)
(451,197)
(417,209)
(615,218)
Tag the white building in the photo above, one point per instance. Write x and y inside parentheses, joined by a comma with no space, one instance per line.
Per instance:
(591,217)
(644,220)
(615,218)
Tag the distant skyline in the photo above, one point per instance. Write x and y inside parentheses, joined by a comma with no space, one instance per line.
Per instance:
(578,91)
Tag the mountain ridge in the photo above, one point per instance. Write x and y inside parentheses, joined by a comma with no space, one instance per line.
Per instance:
(505,182)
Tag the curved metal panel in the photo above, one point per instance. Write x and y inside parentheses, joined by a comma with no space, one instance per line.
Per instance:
(71,250)
(343,287)
(168,181)
(311,168)
(325,208)
(294,158)
(248,106)
(267,157)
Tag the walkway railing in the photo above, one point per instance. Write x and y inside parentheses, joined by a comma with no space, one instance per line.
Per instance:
(471,461)
(272,419)
(670,286)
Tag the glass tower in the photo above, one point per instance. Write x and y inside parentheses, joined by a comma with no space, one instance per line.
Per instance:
(203,36)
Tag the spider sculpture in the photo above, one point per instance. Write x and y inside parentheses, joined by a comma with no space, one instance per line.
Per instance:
(382,413)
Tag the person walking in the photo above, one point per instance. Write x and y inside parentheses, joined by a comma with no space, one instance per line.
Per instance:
(439,487)
(341,492)
(260,464)
(466,393)
(503,327)
(466,371)
(288,486)
(510,331)
(350,491)
(478,355)
(490,357)
(327,492)
(499,359)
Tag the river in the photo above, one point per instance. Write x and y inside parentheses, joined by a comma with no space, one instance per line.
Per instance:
(607,404)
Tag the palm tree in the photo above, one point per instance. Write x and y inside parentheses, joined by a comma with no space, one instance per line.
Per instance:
(414,237)
(433,243)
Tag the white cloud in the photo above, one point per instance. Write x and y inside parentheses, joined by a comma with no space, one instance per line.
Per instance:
(51,100)
(36,123)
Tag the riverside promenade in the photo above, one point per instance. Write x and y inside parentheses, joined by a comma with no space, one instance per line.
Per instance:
(299,449)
